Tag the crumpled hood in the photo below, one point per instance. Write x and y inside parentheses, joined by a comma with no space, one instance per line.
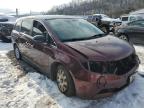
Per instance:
(107,48)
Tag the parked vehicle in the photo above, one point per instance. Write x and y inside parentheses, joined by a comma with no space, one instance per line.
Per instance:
(76,54)
(6,26)
(5,31)
(104,22)
(132,32)
(130,18)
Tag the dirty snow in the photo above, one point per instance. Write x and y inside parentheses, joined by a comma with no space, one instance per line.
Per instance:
(22,87)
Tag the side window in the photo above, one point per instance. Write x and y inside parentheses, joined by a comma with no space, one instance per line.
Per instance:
(132,18)
(137,23)
(38,29)
(89,18)
(140,23)
(18,26)
(26,26)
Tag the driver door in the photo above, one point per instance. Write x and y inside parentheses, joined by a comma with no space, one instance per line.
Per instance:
(42,53)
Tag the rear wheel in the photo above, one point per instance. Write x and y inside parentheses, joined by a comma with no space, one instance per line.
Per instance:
(64,81)
(17,52)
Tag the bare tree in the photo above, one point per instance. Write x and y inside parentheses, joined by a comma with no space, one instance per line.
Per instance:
(113,8)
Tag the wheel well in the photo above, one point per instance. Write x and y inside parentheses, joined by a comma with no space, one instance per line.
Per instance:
(53,70)
(14,44)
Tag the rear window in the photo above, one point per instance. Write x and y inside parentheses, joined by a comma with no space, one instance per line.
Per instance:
(124,18)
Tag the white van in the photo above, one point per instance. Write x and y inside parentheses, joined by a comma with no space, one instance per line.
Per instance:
(129,18)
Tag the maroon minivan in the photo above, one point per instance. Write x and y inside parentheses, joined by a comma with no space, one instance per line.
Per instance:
(77,55)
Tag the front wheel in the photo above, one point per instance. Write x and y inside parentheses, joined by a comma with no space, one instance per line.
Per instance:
(17,52)
(65,82)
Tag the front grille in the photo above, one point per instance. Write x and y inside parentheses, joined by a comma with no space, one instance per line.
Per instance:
(6,29)
(113,89)
(115,67)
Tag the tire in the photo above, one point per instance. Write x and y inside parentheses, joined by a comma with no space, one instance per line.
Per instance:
(64,81)
(124,37)
(4,39)
(17,52)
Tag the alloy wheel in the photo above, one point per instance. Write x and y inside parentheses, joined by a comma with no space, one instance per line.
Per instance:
(62,80)
(17,53)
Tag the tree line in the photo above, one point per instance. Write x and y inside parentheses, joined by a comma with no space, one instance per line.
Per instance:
(113,8)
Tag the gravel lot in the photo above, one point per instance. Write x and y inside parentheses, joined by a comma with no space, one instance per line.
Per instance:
(21,86)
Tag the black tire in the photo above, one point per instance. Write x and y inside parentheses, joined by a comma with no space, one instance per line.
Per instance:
(124,37)
(6,40)
(17,52)
(69,88)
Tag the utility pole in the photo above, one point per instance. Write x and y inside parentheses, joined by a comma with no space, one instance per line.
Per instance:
(30,12)
(16,12)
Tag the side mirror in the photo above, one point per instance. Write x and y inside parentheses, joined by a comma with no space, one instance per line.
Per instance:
(39,38)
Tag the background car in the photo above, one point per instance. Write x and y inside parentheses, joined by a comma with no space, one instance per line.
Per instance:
(104,22)
(130,18)
(132,32)
(76,54)
(6,26)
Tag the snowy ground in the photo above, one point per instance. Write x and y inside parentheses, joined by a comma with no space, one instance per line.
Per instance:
(22,87)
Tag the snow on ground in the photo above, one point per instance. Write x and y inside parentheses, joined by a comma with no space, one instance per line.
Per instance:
(22,87)
(5,47)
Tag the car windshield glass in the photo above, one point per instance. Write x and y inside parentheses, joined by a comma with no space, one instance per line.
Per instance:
(74,29)
(105,16)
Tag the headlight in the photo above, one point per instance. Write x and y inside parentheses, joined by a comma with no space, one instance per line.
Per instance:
(112,23)
(96,66)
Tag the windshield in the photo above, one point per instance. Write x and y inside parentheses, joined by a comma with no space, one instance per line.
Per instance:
(74,29)
(105,16)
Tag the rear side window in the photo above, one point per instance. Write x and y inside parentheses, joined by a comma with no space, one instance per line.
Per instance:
(18,26)
(27,26)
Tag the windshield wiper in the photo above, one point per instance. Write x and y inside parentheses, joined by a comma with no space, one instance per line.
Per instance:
(74,39)
(86,38)
(97,35)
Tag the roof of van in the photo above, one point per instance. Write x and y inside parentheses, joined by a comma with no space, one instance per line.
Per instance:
(45,17)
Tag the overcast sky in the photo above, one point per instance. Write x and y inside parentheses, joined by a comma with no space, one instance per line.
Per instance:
(33,5)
